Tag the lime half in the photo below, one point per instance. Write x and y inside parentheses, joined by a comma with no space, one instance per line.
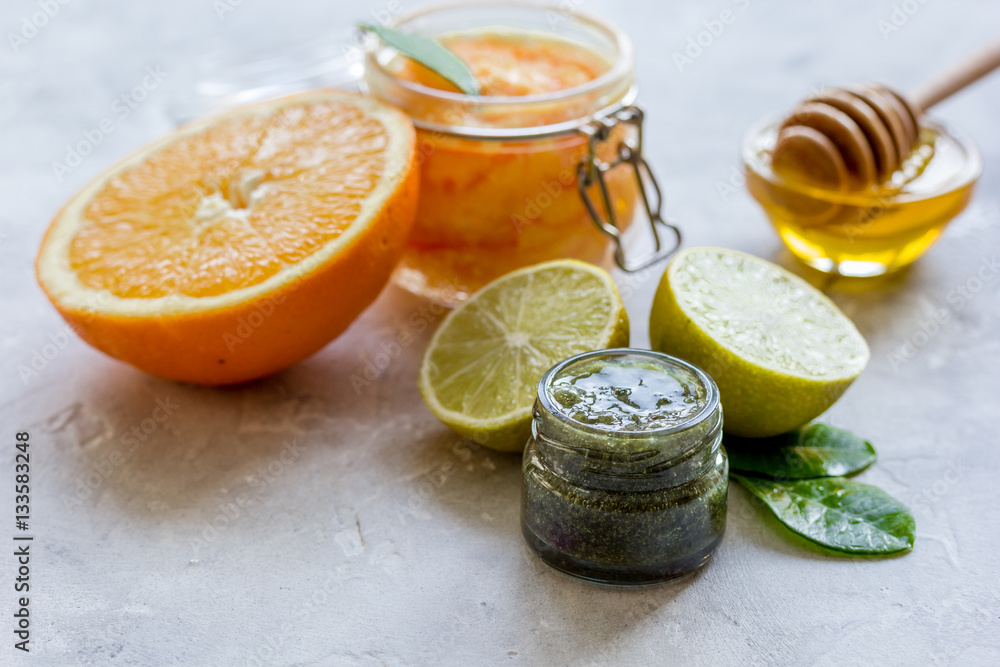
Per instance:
(481,369)
(779,350)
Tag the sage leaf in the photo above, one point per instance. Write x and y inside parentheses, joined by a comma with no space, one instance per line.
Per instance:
(430,54)
(838,513)
(818,450)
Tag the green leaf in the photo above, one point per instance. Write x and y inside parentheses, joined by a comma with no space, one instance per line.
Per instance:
(818,450)
(430,54)
(837,513)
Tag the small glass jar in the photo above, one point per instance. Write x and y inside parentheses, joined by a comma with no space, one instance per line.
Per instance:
(869,232)
(625,476)
(513,180)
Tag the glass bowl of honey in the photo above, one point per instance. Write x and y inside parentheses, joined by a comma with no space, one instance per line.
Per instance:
(870,232)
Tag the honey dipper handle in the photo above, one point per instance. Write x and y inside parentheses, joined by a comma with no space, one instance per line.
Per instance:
(970,70)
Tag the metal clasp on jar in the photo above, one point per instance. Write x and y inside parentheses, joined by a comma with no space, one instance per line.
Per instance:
(592,170)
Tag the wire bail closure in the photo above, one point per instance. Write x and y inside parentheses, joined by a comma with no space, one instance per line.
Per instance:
(592,170)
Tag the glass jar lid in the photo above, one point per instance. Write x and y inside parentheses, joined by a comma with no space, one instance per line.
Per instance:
(627,413)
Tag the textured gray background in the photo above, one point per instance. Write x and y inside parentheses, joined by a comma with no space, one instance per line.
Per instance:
(369,534)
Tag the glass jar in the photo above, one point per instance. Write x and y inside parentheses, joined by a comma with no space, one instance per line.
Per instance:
(869,232)
(625,476)
(513,180)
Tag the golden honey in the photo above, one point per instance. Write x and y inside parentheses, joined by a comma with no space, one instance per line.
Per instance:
(874,231)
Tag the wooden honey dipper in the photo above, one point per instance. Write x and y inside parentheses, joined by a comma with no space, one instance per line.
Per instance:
(853,137)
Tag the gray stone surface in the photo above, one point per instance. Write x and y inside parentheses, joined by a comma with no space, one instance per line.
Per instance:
(369,534)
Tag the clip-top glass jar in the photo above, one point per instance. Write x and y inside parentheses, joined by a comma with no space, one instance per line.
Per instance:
(546,163)
(625,475)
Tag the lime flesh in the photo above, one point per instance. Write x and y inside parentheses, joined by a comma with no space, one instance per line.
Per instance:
(480,372)
(780,351)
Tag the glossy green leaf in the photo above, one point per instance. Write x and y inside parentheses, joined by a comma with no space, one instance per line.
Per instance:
(818,450)
(838,513)
(430,54)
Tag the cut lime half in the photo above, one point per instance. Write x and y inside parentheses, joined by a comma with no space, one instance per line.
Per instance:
(780,351)
(481,369)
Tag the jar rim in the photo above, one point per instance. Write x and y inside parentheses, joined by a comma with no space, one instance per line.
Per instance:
(622,65)
(620,70)
(710,406)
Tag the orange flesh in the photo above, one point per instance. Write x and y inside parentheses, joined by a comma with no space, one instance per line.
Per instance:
(512,64)
(230,206)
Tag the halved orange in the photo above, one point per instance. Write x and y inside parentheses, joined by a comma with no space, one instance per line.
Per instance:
(239,244)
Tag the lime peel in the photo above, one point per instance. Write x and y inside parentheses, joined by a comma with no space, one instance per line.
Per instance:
(780,351)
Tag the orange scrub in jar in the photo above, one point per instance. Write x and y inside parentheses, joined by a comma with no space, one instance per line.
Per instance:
(498,189)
